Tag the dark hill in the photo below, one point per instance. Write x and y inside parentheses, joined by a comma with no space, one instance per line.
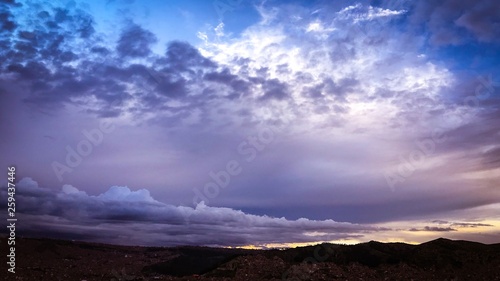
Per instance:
(440,259)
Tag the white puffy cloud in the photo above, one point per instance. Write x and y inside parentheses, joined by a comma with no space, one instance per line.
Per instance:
(124,194)
(359,12)
(69,189)
(27,183)
(336,72)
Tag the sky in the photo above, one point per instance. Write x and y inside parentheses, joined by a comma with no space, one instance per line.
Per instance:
(252,123)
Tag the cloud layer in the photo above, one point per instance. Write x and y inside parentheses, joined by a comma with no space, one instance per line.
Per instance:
(122,216)
(374,113)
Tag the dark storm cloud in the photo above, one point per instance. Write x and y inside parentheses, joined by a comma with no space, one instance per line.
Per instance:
(328,87)
(340,89)
(453,21)
(103,80)
(275,89)
(120,212)
(50,44)
(135,42)
(452,226)
(491,157)
(462,224)
(433,229)
(38,54)
(477,97)
(102,77)
(469,224)
(364,210)
(183,56)
(483,20)
(483,132)
(7,24)
(342,77)
(48,35)
(440,221)
(239,86)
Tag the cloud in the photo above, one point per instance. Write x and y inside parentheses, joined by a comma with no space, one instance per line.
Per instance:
(462,224)
(359,12)
(452,226)
(123,194)
(433,229)
(456,22)
(123,216)
(265,64)
(440,221)
(356,98)
(468,224)
(181,55)
(7,24)
(482,20)
(69,189)
(274,89)
(135,42)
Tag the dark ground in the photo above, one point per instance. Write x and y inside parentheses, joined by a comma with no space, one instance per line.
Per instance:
(441,259)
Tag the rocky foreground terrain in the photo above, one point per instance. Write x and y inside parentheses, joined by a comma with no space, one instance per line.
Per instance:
(441,259)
